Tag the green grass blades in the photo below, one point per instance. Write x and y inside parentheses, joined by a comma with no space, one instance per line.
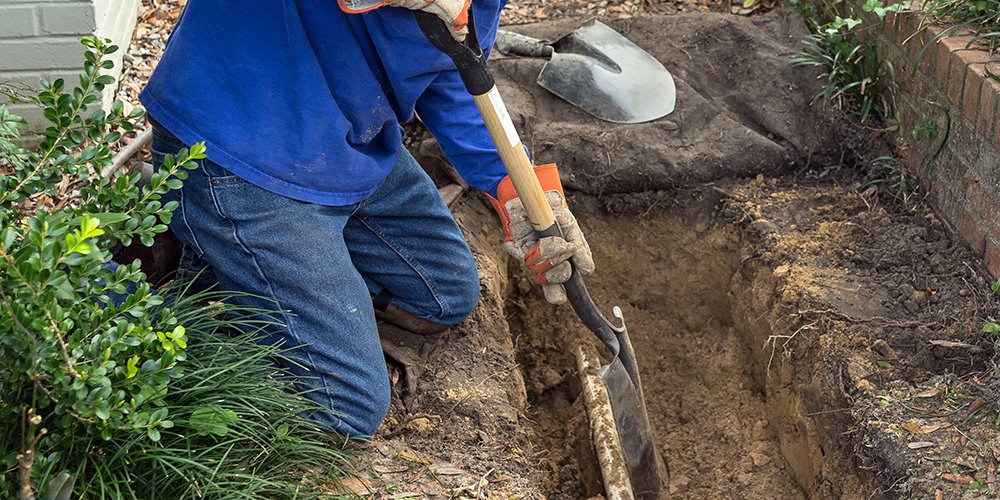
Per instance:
(982,15)
(856,80)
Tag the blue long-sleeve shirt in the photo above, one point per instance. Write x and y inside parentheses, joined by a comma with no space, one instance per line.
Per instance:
(306,101)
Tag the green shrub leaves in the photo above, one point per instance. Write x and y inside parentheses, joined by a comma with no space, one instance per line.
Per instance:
(111,389)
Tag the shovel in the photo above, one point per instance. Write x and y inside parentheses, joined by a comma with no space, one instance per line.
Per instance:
(600,71)
(621,377)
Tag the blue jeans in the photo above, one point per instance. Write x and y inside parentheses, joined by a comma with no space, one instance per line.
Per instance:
(320,265)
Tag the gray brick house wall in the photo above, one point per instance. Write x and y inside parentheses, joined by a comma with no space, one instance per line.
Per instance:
(41,39)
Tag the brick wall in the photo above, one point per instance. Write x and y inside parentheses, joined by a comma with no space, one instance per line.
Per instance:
(950,84)
(41,39)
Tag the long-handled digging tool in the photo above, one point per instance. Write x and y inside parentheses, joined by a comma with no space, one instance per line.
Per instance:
(621,377)
(600,71)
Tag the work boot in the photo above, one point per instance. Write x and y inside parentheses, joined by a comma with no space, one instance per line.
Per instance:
(408,340)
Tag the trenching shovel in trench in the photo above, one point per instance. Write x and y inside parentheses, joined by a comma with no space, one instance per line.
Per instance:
(620,376)
(600,71)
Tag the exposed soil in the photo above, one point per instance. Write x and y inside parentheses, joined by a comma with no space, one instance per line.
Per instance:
(707,410)
(772,316)
(795,339)
(741,109)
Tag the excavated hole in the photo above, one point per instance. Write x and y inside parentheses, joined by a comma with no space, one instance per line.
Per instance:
(705,371)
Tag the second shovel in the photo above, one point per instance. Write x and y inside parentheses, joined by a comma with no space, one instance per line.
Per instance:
(600,71)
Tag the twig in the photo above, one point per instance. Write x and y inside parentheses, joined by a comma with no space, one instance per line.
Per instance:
(872,319)
(26,459)
(773,340)
(823,412)
(140,141)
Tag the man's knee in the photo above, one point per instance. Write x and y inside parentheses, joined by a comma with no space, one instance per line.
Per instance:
(368,421)
(465,300)
(357,415)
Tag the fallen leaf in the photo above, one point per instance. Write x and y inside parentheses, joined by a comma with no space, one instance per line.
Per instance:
(355,485)
(977,404)
(413,458)
(938,495)
(957,478)
(915,428)
(957,345)
(446,469)
(930,393)
(916,445)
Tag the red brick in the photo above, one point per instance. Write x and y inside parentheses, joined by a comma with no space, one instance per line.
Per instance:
(907,24)
(890,27)
(996,128)
(911,157)
(942,54)
(964,223)
(970,96)
(993,258)
(985,207)
(987,107)
(964,141)
(956,69)
(956,82)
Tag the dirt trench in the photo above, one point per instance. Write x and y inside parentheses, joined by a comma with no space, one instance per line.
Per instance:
(788,329)
(727,425)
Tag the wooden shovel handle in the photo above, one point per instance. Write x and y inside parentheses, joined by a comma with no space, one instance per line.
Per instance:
(515,159)
(471,64)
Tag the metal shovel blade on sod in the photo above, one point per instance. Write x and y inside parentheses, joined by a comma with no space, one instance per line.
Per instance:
(600,71)
(646,472)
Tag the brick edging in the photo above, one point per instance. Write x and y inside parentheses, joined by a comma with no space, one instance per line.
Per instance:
(951,80)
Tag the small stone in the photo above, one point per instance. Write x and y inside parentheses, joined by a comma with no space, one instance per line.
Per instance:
(421,425)
(884,349)
(679,484)
(669,125)
(781,271)
(911,306)
(857,371)
(865,385)
(759,459)
(765,226)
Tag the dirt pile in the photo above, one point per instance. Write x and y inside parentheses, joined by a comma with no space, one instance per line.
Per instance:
(741,109)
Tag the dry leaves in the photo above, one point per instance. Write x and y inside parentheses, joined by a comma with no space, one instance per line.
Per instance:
(915,428)
(932,392)
(957,478)
(156,20)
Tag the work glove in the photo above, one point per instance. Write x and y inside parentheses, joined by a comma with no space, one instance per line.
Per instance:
(550,257)
(454,13)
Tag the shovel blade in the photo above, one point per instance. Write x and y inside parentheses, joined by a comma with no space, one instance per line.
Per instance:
(600,71)
(646,471)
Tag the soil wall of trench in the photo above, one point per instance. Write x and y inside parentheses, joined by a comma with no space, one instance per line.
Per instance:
(732,411)
(771,306)
(769,318)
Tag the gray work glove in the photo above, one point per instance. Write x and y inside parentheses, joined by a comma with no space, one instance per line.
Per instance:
(454,13)
(549,257)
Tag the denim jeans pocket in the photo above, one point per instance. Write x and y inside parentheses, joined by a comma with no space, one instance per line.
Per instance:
(238,200)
